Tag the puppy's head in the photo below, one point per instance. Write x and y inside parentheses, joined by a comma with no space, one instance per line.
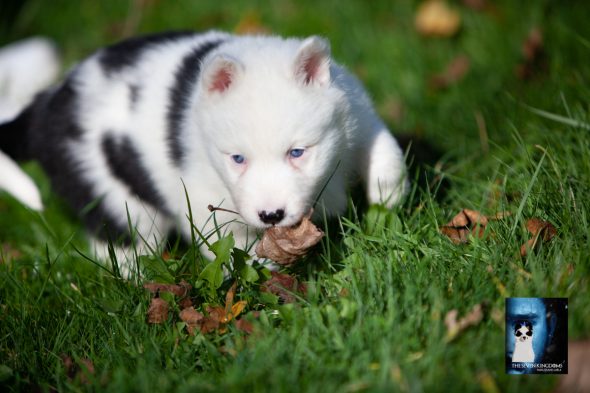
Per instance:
(523,331)
(271,120)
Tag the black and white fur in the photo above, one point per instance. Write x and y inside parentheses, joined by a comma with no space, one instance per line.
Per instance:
(523,342)
(249,123)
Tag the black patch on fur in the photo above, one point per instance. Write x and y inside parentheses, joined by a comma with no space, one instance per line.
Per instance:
(52,129)
(180,93)
(125,163)
(13,136)
(126,53)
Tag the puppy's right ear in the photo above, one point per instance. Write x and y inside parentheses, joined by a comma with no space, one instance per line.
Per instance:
(312,62)
(220,73)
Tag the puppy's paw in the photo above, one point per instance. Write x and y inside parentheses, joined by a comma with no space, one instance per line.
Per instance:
(387,190)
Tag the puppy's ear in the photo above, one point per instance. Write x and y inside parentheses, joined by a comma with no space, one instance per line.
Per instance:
(312,63)
(219,73)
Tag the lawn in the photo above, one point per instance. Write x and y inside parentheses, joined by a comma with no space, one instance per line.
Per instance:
(491,127)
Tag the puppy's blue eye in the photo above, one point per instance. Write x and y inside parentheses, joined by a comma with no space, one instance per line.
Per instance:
(296,153)
(238,158)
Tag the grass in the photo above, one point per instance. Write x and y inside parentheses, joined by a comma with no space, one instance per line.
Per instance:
(382,283)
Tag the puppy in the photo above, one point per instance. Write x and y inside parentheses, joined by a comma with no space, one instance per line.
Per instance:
(155,126)
(523,343)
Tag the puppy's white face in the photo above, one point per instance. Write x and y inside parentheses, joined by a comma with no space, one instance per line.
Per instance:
(274,137)
(523,334)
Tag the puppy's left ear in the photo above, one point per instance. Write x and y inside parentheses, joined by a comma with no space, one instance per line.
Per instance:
(220,73)
(312,63)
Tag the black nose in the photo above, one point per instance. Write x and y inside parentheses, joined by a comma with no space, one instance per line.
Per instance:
(271,217)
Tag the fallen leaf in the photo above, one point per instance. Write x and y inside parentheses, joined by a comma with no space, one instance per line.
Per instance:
(158,310)
(232,310)
(212,321)
(528,245)
(285,245)
(284,286)
(192,318)
(454,72)
(78,371)
(86,369)
(244,325)
(456,326)
(532,44)
(229,297)
(182,289)
(217,317)
(457,235)
(475,217)
(534,59)
(467,222)
(540,230)
(69,366)
(236,310)
(185,302)
(436,18)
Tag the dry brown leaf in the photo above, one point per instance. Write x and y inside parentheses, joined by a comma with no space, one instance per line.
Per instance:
(179,290)
(217,317)
(185,302)
(533,55)
(244,325)
(453,73)
(236,310)
(86,369)
(436,18)
(285,245)
(456,326)
(232,310)
(192,318)
(284,286)
(475,217)
(78,371)
(212,321)
(457,235)
(541,230)
(466,222)
(528,245)
(158,311)
(229,297)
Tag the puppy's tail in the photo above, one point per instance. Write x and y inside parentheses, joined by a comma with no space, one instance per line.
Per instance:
(26,68)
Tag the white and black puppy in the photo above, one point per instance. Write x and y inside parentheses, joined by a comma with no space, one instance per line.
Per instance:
(255,124)
(523,343)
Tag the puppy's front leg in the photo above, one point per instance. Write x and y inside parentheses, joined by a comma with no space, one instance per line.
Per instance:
(383,168)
